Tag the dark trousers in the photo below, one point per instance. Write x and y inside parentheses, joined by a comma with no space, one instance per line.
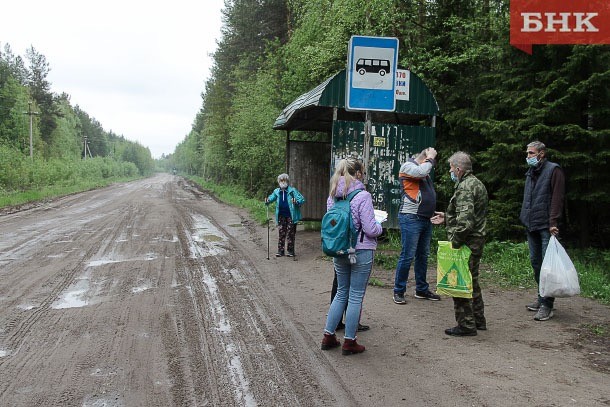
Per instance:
(287,233)
(470,312)
(333,292)
(538,241)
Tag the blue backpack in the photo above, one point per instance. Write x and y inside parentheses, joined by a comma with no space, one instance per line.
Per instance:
(338,231)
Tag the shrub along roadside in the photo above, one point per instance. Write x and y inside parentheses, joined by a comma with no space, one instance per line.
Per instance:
(41,179)
(504,264)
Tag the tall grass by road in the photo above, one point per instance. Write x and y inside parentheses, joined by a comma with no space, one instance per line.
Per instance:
(23,180)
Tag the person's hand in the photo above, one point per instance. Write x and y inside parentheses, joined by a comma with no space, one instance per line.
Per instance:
(266,201)
(431,153)
(294,201)
(554,230)
(438,218)
(455,245)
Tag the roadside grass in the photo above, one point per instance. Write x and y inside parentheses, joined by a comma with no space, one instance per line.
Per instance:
(236,196)
(507,264)
(504,264)
(53,191)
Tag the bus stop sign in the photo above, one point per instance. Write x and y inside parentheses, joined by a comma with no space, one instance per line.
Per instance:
(371,72)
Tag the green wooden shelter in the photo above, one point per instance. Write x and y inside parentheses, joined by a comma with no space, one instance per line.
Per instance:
(382,140)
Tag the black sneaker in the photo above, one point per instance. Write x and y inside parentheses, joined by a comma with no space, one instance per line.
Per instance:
(459,331)
(399,298)
(279,254)
(361,328)
(533,306)
(290,254)
(544,313)
(428,295)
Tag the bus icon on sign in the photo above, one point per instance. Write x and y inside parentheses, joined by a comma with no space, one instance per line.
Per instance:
(380,66)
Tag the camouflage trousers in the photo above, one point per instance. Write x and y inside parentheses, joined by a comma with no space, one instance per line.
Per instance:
(469,312)
(287,233)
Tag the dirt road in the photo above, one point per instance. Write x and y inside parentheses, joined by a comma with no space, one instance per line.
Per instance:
(151,293)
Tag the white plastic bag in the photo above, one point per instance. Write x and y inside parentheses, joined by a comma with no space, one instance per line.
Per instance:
(558,277)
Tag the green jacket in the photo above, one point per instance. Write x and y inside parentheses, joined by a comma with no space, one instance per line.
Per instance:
(467,210)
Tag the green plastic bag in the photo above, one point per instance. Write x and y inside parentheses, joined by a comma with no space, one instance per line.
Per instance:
(453,276)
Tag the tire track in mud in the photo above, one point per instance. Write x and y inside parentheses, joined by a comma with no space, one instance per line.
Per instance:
(20,324)
(242,338)
(195,326)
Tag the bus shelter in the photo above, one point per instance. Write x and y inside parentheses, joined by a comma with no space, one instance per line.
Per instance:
(382,140)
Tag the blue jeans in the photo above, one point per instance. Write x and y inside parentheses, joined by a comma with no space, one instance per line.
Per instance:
(352,280)
(415,235)
(538,241)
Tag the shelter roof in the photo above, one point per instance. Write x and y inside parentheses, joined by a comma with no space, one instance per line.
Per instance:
(314,110)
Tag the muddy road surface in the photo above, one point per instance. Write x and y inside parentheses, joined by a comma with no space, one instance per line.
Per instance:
(152,293)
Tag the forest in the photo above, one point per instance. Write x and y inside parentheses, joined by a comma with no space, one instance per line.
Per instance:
(494,99)
(62,145)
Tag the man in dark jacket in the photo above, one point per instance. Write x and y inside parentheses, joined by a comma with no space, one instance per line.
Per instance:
(541,212)
(465,220)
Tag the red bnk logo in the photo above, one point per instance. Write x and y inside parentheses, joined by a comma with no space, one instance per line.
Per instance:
(559,22)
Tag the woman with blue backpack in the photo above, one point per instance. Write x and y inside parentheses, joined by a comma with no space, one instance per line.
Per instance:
(352,269)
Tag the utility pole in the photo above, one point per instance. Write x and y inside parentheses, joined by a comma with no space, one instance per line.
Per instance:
(86,148)
(31,114)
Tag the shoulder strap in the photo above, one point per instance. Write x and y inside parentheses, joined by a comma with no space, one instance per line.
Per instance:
(352,195)
(348,197)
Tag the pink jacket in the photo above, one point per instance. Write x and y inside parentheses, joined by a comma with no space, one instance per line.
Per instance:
(363,213)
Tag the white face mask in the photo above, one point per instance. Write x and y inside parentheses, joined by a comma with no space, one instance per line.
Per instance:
(283,184)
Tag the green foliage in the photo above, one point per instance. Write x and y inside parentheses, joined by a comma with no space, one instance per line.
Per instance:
(58,134)
(593,272)
(39,179)
(257,150)
(140,157)
(509,264)
(236,196)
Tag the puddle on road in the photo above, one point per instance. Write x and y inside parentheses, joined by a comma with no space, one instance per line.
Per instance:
(212,238)
(141,288)
(222,324)
(72,299)
(95,263)
(112,400)
(4,353)
(79,294)
(206,239)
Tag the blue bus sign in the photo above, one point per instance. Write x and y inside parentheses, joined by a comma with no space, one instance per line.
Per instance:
(371,73)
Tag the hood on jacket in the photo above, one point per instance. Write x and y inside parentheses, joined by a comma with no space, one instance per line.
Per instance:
(354,185)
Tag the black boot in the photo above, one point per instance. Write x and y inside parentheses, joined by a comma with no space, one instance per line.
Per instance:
(459,331)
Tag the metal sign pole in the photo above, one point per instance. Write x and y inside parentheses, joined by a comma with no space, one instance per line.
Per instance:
(366,146)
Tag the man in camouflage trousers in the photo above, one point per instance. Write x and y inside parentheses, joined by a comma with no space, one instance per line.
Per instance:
(465,222)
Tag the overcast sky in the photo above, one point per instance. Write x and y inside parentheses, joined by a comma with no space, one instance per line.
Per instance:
(137,67)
